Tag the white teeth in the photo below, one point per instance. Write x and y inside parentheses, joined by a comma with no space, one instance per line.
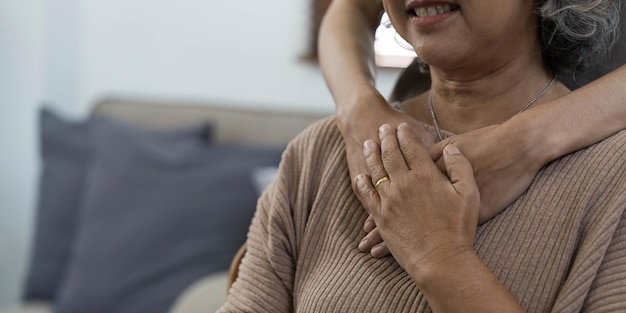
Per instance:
(433,10)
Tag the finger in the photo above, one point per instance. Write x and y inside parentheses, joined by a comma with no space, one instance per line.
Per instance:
(380,250)
(441,165)
(425,137)
(370,240)
(356,165)
(392,158)
(436,153)
(367,193)
(369,224)
(460,172)
(411,148)
(436,150)
(371,151)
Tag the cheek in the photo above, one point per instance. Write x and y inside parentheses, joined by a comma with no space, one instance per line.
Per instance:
(397,15)
(512,18)
(486,29)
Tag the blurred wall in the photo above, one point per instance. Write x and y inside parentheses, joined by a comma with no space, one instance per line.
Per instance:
(70,53)
(21,88)
(241,52)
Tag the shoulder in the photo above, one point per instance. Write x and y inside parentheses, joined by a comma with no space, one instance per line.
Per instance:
(588,186)
(317,149)
(322,138)
(320,132)
(615,143)
(593,178)
(606,158)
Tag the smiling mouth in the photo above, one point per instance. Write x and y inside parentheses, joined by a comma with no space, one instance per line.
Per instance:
(433,10)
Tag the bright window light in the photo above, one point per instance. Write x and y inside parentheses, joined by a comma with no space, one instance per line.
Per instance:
(391,50)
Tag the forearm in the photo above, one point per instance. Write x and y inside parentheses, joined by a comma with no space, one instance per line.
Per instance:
(579,119)
(346,50)
(462,283)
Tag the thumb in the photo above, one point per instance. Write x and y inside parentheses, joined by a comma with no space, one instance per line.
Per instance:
(459,171)
(436,150)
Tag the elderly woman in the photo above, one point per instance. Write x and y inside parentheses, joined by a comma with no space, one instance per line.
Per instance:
(505,156)
(558,247)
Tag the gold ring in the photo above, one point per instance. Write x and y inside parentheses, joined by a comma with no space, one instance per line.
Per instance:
(380,181)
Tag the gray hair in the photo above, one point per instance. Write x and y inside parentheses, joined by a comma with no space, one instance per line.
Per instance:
(577,34)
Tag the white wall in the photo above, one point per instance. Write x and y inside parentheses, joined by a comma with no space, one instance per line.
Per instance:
(73,52)
(243,52)
(21,84)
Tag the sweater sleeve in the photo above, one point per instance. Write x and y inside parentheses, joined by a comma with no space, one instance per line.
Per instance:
(266,275)
(265,279)
(608,290)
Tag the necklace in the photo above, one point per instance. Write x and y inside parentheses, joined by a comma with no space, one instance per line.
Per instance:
(531,102)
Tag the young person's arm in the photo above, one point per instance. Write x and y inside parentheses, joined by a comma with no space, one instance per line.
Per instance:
(506,157)
(581,118)
(346,52)
(346,55)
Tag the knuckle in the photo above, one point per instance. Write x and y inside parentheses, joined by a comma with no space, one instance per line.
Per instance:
(422,175)
(369,196)
(463,163)
(378,171)
(387,154)
(409,153)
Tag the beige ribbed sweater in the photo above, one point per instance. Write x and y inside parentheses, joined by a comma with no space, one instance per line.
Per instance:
(560,247)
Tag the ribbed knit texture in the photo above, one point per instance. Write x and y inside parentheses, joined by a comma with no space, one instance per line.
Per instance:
(560,247)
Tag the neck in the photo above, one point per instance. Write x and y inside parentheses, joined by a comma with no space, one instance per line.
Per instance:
(464,102)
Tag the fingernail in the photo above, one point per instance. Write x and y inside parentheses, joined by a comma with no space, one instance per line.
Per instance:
(364,245)
(369,225)
(451,150)
(360,179)
(377,251)
(367,145)
(382,130)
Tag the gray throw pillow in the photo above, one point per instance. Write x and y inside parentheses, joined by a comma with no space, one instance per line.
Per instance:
(159,213)
(65,152)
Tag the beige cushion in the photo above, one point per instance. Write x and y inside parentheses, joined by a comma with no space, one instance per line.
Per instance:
(30,307)
(206,295)
(234,125)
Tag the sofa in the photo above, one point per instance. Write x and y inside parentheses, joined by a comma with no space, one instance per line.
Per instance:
(143,204)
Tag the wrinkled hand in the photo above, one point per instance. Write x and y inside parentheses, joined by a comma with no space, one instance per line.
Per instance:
(503,164)
(503,167)
(361,125)
(423,215)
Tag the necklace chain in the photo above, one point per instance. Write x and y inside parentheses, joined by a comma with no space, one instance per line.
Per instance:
(531,102)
